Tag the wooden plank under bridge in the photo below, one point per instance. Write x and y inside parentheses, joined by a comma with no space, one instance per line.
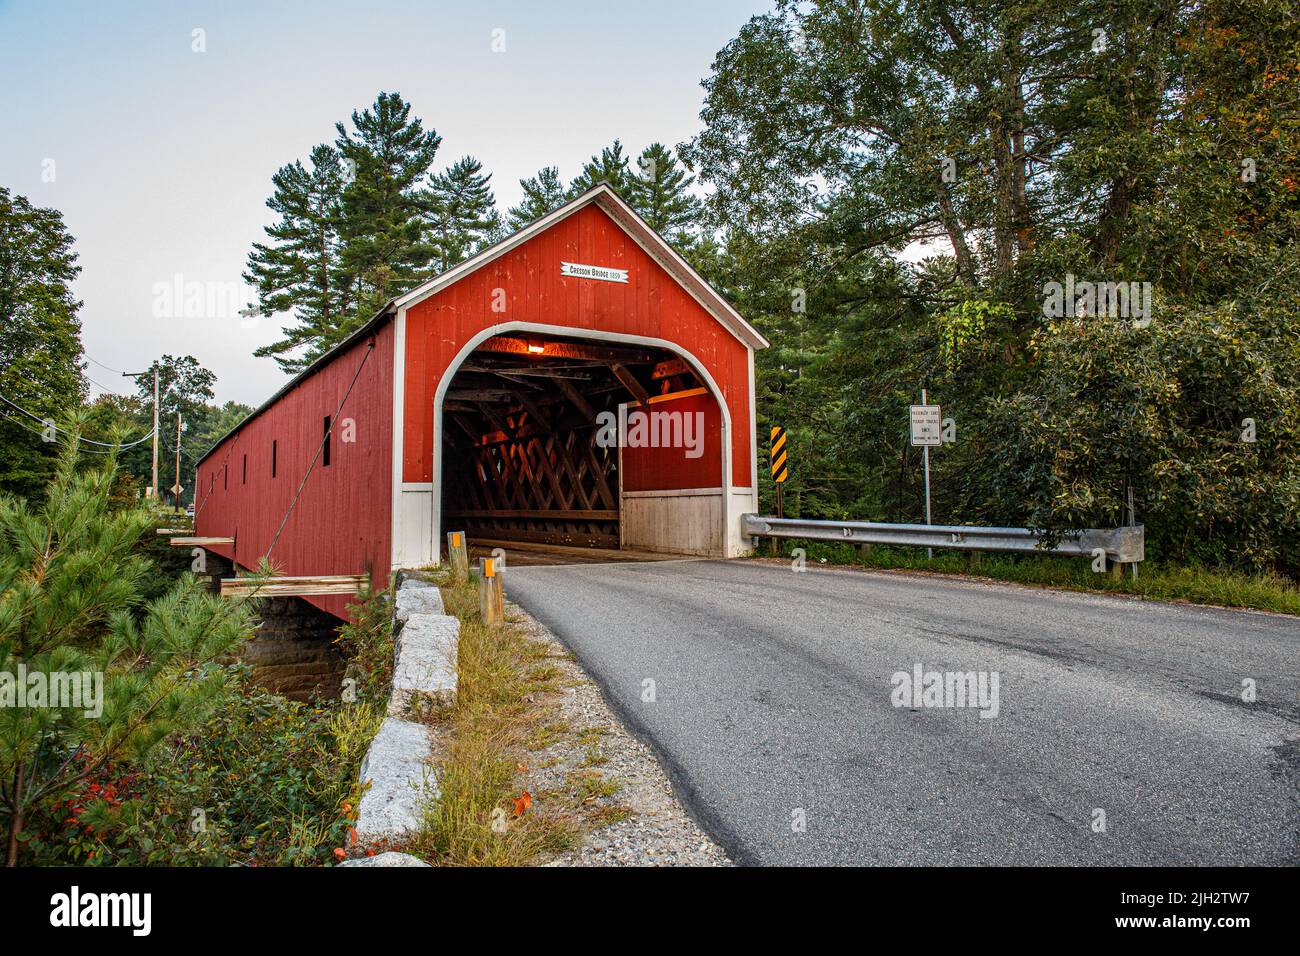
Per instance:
(297,586)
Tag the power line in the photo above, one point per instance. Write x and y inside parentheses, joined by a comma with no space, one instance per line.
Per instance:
(111,391)
(185,453)
(49,424)
(109,367)
(18,422)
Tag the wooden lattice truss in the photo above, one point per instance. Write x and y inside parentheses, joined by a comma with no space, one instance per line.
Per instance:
(520,420)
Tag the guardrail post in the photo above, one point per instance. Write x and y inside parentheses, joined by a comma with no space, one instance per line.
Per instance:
(458,555)
(491,594)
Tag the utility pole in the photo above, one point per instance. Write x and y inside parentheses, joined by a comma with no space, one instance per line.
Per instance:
(156,493)
(177,487)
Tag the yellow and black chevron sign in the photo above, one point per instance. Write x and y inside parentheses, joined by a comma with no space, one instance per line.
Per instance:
(780,471)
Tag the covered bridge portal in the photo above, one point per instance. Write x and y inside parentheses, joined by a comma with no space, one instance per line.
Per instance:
(577,384)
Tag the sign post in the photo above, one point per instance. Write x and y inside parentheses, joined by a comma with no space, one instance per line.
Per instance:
(927,425)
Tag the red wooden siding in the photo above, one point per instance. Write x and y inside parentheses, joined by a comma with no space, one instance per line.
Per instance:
(667,469)
(651,304)
(342,524)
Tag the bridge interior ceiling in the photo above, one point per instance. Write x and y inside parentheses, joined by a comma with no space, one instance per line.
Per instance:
(520,418)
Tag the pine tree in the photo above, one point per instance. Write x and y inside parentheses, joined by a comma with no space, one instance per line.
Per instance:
(71,584)
(462,216)
(40,348)
(609,167)
(300,270)
(384,248)
(660,192)
(542,193)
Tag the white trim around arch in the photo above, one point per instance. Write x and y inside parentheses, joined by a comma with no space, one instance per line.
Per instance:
(429,551)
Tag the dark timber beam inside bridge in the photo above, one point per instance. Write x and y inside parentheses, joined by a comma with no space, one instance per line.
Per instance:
(630,382)
(581,351)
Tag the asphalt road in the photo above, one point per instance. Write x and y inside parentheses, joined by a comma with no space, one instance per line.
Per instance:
(773,703)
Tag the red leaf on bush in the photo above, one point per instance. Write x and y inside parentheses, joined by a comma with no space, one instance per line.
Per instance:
(523,802)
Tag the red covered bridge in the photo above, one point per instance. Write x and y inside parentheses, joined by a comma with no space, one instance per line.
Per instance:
(577,383)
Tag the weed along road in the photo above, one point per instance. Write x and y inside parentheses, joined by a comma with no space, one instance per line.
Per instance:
(840,717)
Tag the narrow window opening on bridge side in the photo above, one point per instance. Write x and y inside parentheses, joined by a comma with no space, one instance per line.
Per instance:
(326,456)
(245,478)
(274,449)
(225,479)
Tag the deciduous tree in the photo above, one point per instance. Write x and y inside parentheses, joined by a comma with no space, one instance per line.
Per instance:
(40,345)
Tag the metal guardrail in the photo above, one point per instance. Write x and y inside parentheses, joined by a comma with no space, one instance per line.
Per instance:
(1124,545)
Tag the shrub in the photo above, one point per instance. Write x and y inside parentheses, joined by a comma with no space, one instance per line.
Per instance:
(72,602)
(264,782)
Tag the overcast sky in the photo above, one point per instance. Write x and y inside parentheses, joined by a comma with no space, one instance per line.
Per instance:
(160,158)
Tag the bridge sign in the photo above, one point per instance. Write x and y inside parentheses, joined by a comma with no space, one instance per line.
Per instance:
(927,425)
(581,271)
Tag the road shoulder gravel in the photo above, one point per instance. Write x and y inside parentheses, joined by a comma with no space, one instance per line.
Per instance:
(640,820)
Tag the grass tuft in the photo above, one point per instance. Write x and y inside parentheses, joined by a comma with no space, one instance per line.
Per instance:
(497,715)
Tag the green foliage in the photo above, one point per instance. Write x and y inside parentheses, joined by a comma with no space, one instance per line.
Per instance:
(365,221)
(384,248)
(657,187)
(610,167)
(300,271)
(660,192)
(367,642)
(185,385)
(71,603)
(1166,407)
(915,174)
(40,348)
(964,325)
(264,782)
(462,216)
(542,193)
(189,763)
